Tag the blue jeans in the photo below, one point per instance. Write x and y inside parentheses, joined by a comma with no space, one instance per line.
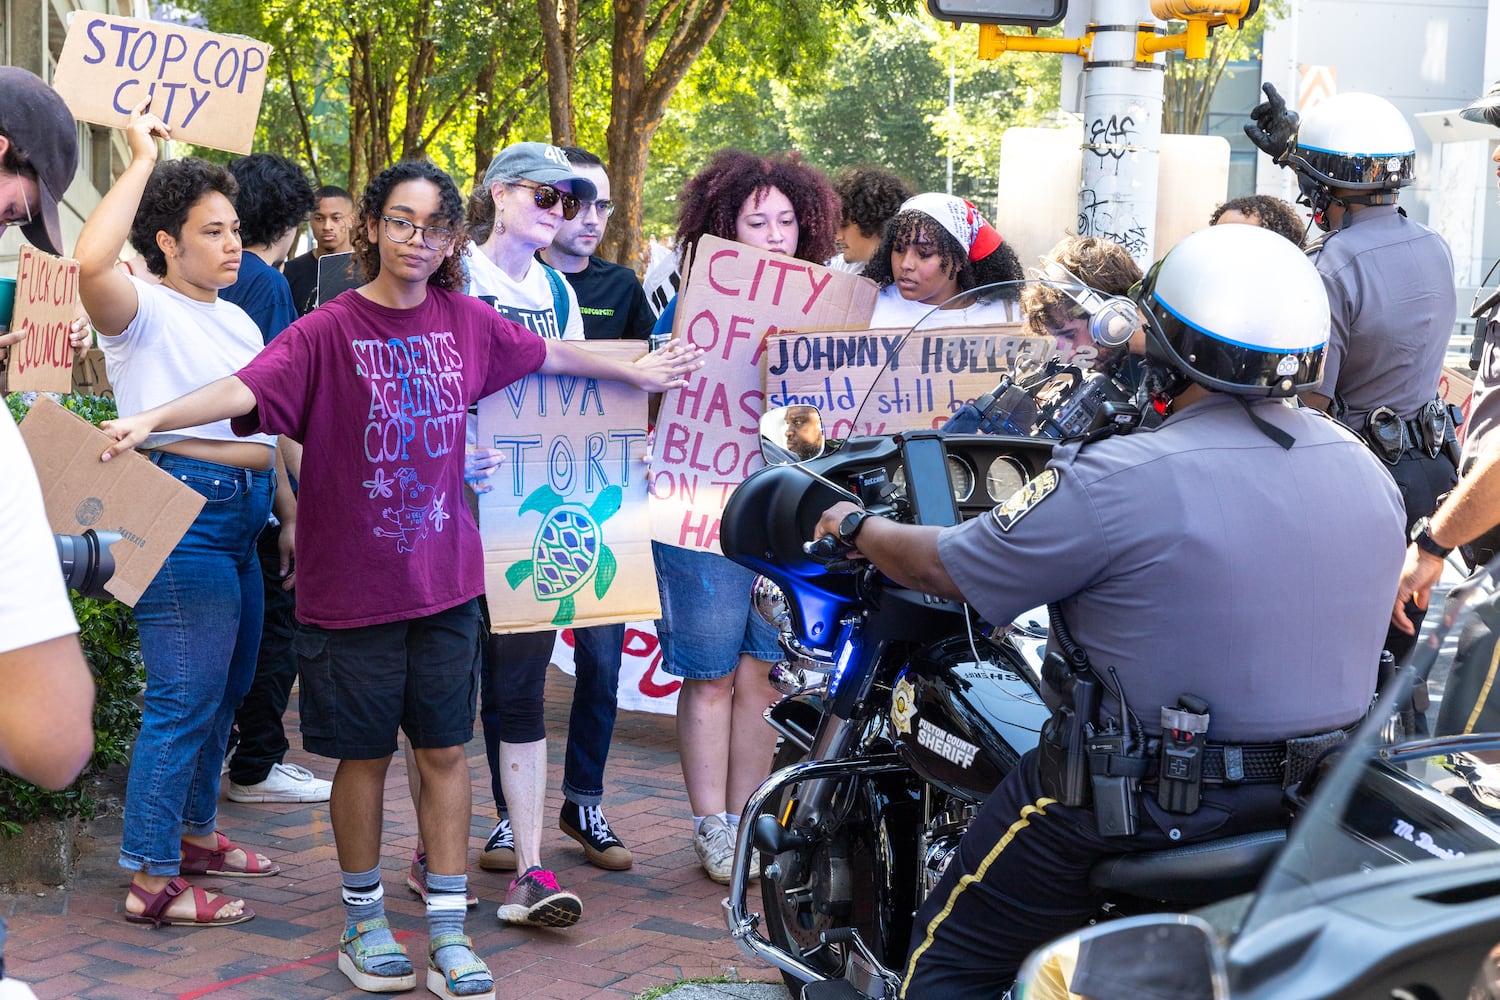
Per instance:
(517,665)
(200,622)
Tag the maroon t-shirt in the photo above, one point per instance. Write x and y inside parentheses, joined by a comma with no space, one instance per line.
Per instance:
(377,397)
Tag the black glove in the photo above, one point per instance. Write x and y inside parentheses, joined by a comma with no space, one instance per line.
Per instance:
(1272,127)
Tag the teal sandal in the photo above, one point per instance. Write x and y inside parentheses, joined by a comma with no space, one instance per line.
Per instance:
(354,955)
(442,984)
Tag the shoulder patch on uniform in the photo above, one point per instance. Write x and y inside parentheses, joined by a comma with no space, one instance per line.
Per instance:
(1024,500)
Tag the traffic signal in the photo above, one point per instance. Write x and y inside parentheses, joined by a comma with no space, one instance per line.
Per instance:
(1028,13)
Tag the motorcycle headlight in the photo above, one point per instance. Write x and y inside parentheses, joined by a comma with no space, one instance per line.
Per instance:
(770,603)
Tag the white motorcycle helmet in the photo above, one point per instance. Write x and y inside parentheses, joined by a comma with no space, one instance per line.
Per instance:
(1356,142)
(1237,309)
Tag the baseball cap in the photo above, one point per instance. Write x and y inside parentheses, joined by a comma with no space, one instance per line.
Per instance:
(539,162)
(41,128)
(1485,110)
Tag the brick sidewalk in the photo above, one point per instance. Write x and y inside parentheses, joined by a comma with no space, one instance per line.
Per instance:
(657,923)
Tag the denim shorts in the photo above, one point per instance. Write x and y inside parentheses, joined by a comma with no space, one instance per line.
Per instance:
(706,617)
(359,685)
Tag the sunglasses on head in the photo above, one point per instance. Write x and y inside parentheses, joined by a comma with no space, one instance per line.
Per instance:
(545,196)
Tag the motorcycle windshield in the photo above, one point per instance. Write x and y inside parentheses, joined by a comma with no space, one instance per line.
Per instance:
(1396,797)
(967,346)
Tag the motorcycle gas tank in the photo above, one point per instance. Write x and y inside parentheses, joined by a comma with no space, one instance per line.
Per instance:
(960,724)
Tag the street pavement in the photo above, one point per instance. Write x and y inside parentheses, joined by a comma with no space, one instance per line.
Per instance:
(656,924)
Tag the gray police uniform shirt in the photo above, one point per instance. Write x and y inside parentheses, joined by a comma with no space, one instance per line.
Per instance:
(1484,404)
(1391,292)
(1202,558)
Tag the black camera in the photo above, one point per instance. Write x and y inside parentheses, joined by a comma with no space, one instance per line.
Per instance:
(87,562)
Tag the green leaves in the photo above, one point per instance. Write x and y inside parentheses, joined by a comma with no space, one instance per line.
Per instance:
(106,630)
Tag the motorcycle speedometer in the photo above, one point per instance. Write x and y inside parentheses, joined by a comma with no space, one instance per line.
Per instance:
(1004,476)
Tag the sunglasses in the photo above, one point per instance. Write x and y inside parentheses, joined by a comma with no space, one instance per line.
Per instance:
(545,196)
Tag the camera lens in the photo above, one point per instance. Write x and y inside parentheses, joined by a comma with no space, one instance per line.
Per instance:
(86,561)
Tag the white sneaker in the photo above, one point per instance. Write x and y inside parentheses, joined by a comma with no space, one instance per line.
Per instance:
(285,783)
(714,843)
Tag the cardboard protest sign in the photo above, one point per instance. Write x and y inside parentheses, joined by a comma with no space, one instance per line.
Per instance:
(207,87)
(150,509)
(922,381)
(566,536)
(46,305)
(90,377)
(707,434)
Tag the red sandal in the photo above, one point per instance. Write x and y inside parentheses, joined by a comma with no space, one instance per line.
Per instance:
(157,903)
(204,861)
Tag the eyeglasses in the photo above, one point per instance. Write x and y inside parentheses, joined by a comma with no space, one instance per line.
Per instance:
(545,196)
(605,208)
(401,231)
(25,201)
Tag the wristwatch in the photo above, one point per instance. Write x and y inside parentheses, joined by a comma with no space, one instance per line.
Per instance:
(1421,537)
(850,525)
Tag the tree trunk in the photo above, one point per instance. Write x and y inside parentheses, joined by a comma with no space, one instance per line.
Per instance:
(637,104)
(558,39)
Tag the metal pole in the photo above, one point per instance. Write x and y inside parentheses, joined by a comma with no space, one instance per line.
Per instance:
(950,123)
(1122,106)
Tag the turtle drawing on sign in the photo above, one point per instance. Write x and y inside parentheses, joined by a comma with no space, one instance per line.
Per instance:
(569,549)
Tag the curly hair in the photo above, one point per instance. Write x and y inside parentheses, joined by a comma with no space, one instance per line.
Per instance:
(450,274)
(711,201)
(1270,213)
(1099,263)
(172,190)
(275,195)
(870,196)
(912,226)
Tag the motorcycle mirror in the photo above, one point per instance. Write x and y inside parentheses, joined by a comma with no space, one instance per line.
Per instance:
(791,434)
(1170,955)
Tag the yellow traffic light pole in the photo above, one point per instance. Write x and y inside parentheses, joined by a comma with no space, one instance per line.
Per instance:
(1123,103)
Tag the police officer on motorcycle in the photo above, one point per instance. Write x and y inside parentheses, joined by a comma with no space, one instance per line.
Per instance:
(1220,588)
(1390,286)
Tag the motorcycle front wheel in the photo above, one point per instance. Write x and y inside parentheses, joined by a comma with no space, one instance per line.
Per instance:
(859,871)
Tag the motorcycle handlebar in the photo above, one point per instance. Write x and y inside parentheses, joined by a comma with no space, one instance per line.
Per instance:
(826,549)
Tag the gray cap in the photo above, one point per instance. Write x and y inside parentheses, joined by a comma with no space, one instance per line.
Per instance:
(1485,110)
(537,161)
(41,128)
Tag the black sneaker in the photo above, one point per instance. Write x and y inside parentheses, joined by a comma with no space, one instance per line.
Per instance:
(587,825)
(499,854)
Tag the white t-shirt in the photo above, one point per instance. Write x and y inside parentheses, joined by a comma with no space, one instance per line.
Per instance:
(175,345)
(892,312)
(529,301)
(838,263)
(33,603)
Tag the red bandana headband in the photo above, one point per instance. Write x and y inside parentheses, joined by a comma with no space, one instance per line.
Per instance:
(961,219)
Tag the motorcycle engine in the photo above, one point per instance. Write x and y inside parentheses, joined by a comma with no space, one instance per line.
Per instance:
(941,838)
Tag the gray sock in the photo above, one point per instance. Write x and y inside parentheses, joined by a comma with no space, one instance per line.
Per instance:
(447,905)
(364,901)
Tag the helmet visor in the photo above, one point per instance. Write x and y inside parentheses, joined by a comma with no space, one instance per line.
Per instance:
(1357,171)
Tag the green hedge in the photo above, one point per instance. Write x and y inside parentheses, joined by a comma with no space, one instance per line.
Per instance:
(106,629)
